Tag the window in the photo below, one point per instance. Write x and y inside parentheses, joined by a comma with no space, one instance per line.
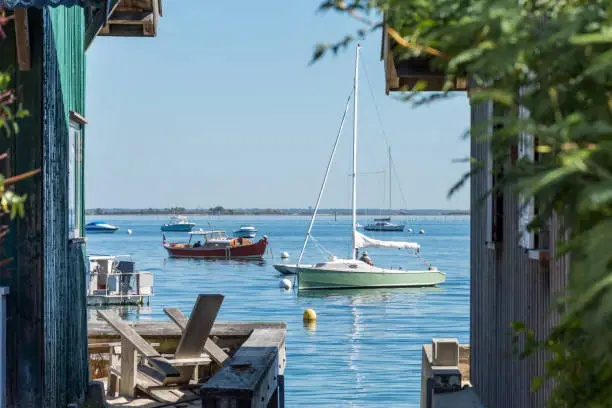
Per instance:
(495,172)
(75,176)
(534,241)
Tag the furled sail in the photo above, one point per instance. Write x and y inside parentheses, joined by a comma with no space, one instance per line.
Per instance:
(362,241)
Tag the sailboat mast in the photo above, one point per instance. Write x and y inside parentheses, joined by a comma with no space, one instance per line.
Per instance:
(389,177)
(355,91)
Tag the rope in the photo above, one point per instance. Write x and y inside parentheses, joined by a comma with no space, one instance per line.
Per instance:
(383,133)
(270,252)
(320,246)
(331,159)
(422,259)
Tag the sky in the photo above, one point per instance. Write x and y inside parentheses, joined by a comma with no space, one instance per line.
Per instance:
(222,108)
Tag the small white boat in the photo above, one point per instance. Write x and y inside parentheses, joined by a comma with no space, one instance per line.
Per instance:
(384,224)
(100,227)
(178,223)
(245,231)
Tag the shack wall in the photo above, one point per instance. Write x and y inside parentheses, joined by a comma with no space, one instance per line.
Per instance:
(66,359)
(46,342)
(506,286)
(24,243)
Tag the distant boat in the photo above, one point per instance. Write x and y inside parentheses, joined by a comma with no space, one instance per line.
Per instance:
(100,227)
(178,223)
(246,231)
(384,224)
(216,245)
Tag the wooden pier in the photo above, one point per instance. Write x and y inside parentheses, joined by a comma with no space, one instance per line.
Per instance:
(191,361)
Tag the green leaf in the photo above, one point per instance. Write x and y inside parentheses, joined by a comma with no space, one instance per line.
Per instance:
(595,196)
(536,383)
(593,38)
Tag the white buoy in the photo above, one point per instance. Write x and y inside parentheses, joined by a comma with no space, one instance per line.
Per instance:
(285,284)
(421,232)
(409,229)
(129,232)
(284,255)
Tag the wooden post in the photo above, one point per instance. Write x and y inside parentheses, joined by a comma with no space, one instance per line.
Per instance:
(250,378)
(22,38)
(129,361)
(281,391)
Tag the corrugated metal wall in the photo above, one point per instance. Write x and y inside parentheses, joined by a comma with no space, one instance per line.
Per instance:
(65,324)
(506,286)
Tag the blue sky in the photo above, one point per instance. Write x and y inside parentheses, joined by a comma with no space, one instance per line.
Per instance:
(222,108)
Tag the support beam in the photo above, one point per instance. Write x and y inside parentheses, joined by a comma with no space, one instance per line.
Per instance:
(98,21)
(22,39)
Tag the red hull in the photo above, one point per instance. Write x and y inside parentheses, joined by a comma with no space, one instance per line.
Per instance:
(255,250)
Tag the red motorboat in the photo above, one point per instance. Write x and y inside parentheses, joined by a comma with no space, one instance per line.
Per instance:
(216,244)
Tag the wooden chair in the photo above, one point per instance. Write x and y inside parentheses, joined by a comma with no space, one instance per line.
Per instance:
(215,352)
(157,376)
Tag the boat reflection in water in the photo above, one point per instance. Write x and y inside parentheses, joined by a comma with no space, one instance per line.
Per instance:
(365,325)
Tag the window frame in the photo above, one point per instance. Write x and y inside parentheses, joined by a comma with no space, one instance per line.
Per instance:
(76,220)
(531,241)
(490,177)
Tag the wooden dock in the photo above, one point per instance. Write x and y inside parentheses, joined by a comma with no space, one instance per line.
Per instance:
(252,376)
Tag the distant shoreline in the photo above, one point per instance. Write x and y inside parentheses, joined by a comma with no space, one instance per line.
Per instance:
(328,213)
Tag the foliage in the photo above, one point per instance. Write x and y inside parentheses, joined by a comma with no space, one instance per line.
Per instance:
(11,111)
(553,58)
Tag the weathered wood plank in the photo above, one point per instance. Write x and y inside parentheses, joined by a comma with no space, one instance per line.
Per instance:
(197,329)
(129,367)
(151,383)
(186,362)
(102,330)
(139,343)
(199,325)
(22,37)
(216,353)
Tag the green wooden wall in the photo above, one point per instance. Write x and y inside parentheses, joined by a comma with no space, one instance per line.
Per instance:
(68,27)
(66,364)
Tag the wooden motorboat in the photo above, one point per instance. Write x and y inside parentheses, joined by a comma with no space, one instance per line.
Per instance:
(216,244)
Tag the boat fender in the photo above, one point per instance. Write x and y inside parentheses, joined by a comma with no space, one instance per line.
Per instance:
(285,284)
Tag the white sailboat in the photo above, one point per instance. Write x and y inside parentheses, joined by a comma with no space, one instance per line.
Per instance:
(384,224)
(356,273)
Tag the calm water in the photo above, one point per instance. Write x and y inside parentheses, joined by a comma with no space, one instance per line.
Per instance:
(365,349)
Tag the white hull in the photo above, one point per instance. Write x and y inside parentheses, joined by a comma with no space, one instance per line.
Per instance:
(349,274)
(104,300)
(287,269)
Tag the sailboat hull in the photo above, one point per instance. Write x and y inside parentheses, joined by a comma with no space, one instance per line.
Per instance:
(385,228)
(334,275)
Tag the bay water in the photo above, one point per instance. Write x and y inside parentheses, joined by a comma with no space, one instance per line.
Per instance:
(365,348)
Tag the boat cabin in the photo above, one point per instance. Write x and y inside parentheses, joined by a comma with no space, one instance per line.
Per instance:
(113,280)
(213,239)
